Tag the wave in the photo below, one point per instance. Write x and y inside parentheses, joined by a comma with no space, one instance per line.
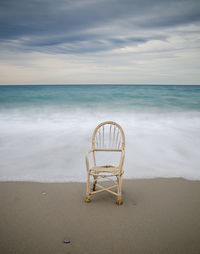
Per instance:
(49,145)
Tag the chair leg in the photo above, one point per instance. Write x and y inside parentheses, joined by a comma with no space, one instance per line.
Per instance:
(94,184)
(119,200)
(87,200)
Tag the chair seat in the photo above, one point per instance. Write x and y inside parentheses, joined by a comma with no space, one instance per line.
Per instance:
(108,169)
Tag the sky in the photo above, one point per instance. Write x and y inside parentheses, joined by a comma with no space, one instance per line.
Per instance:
(99,42)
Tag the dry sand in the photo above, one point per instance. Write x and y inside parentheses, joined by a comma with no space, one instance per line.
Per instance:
(158,216)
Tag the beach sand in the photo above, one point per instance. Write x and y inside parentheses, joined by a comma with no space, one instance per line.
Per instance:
(157,216)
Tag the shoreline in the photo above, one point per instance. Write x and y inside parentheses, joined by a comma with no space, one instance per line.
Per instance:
(159,215)
(84,182)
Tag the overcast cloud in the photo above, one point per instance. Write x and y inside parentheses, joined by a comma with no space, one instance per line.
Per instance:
(99,41)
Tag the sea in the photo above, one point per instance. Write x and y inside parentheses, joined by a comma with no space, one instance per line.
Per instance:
(45,130)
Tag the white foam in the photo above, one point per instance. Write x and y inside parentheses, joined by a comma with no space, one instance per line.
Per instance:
(50,146)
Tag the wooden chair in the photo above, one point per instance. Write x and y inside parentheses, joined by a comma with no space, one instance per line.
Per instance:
(107,137)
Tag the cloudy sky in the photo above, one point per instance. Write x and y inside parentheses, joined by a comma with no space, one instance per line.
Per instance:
(99,42)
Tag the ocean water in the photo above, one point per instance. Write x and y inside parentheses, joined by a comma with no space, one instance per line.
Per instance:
(46,130)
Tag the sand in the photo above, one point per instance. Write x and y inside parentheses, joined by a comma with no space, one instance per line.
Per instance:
(158,216)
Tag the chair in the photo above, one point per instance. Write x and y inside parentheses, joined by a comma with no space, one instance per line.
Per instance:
(107,137)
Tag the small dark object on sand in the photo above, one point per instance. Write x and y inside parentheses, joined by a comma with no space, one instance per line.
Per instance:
(66,241)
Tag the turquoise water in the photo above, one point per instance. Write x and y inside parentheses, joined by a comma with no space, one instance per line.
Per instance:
(46,130)
(143,97)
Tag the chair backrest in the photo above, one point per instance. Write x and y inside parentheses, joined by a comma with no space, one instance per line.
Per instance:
(108,136)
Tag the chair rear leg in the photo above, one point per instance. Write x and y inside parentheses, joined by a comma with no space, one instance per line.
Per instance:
(94,184)
(87,200)
(119,200)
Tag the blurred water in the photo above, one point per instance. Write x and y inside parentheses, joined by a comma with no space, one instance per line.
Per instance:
(46,130)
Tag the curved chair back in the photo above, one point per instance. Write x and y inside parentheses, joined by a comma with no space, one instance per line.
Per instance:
(108,136)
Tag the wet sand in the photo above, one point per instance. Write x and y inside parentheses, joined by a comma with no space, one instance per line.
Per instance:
(157,216)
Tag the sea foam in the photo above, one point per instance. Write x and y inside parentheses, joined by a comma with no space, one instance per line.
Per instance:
(49,145)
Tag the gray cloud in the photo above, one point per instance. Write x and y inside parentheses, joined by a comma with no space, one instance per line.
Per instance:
(90,26)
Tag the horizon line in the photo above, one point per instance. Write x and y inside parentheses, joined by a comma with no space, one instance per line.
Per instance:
(91,84)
